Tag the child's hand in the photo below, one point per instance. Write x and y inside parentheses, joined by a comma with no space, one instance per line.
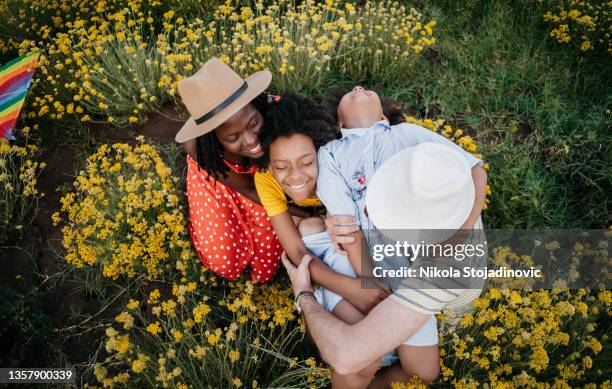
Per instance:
(300,275)
(339,229)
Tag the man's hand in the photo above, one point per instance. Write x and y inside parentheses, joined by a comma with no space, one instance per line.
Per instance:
(364,298)
(300,275)
(339,228)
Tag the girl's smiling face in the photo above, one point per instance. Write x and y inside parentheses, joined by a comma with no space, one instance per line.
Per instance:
(293,163)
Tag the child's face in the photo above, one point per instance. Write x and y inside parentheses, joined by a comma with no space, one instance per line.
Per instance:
(359,108)
(293,163)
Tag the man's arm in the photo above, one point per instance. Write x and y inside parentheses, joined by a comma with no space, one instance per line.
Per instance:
(351,348)
(479,176)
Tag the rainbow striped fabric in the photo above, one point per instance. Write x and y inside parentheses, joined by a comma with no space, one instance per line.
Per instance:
(15,79)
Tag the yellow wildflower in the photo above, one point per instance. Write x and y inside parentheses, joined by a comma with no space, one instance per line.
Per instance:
(154,328)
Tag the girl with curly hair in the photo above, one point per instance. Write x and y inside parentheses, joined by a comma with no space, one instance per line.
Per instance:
(230,229)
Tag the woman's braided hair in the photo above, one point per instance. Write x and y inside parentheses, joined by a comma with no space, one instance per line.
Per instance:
(292,114)
(209,151)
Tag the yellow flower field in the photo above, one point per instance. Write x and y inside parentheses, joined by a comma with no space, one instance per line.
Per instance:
(138,308)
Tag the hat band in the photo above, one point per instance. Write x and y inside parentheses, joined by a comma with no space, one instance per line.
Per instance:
(223,104)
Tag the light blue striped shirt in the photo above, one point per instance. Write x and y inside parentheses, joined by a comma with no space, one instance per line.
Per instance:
(346,165)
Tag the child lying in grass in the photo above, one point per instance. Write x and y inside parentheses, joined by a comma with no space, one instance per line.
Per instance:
(294,131)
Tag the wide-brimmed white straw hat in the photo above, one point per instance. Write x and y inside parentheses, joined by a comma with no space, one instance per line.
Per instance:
(215,93)
(425,187)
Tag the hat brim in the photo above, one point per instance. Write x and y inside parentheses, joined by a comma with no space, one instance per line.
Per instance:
(257,83)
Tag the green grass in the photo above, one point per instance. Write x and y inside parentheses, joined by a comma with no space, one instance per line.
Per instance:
(26,326)
(540,111)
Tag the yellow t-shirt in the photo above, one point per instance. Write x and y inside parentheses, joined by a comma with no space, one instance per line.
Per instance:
(273,198)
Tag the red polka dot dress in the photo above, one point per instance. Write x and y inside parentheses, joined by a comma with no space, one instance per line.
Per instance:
(230,232)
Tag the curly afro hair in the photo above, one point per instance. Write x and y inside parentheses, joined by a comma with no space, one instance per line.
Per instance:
(292,114)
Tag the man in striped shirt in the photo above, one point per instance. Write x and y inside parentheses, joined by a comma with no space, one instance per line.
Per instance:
(346,167)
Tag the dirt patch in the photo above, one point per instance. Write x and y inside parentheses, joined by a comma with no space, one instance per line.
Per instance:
(465,127)
(432,55)
(523,130)
(17,265)
(61,166)
(160,128)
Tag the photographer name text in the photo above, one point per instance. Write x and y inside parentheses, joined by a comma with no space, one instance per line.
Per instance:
(466,272)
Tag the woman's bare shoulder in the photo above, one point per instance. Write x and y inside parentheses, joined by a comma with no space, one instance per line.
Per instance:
(190,148)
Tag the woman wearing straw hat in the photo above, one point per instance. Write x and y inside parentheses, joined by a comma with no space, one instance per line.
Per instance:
(229,228)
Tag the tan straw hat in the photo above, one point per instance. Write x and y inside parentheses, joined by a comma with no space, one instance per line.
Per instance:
(215,93)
